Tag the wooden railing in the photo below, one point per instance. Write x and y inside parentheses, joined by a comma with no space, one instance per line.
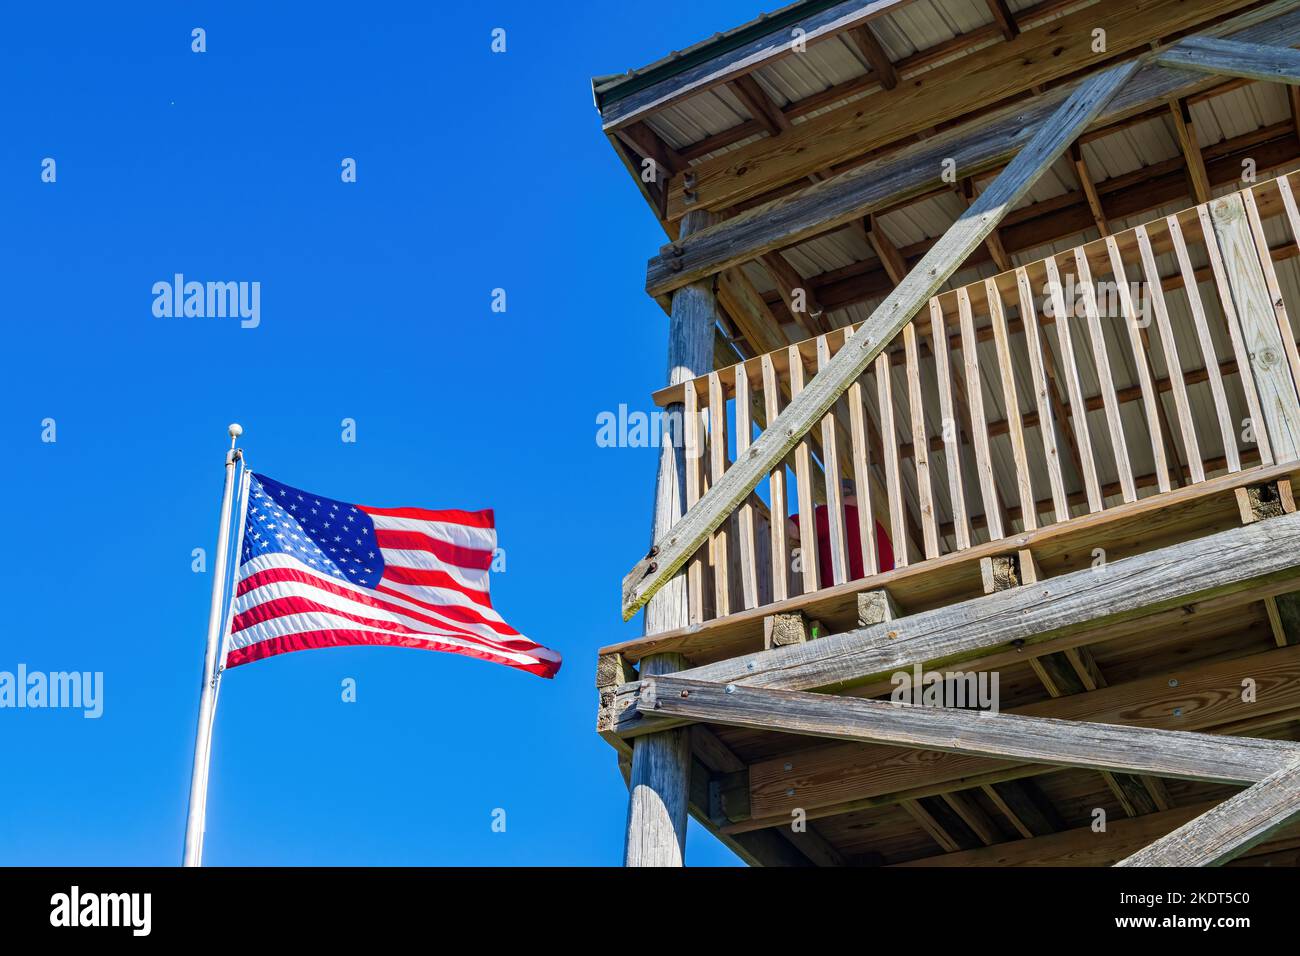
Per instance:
(990,415)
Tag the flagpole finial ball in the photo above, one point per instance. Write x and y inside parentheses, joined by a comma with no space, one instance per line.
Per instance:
(235,429)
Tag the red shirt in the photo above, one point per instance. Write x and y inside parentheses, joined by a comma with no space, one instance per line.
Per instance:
(825,573)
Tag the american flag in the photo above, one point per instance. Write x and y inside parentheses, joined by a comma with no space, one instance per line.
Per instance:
(317,572)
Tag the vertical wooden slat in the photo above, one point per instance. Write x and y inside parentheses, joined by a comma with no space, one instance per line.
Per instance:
(834,486)
(1244,374)
(979,426)
(694,468)
(776,489)
(1220,397)
(1174,367)
(746,543)
(951,431)
(1101,357)
(920,443)
(893,474)
(861,468)
(718,463)
(1078,408)
(1266,263)
(1270,274)
(808,556)
(1046,419)
(1265,336)
(1142,362)
(1010,398)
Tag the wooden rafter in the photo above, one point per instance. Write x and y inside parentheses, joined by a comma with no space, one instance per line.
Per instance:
(1089,189)
(1004,18)
(1069,215)
(864,38)
(886,181)
(759,104)
(993,74)
(1187,142)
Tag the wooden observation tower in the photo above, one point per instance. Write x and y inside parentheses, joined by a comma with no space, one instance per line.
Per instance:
(977,543)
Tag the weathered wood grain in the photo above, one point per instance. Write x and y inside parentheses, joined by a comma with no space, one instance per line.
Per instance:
(1067,743)
(1251,61)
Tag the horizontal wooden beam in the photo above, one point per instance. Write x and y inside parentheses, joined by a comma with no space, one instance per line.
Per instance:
(1231,828)
(936,266)
(1119,590)
(1066,743)
(973,147)
(1251,61)
(1205,697)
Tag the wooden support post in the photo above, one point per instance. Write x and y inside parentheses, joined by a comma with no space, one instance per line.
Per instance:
(876,607)
(780,630)
(660,787)
(1271,499)
(661,764)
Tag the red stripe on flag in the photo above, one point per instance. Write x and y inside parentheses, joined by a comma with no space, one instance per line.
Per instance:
(426,578)
(476,559)
(459,614)
(454,611)
(471,519)
(310,640)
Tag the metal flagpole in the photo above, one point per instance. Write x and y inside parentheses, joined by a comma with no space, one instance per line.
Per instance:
(194,823)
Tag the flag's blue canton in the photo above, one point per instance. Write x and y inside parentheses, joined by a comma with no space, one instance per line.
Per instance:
(330,536)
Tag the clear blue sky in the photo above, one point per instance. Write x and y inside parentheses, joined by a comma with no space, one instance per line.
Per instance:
(475,171)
